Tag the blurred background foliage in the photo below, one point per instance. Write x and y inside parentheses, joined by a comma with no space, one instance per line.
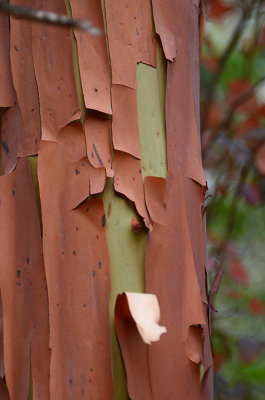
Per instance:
(233,147)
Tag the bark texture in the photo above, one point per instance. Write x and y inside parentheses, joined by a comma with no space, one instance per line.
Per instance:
(113,122)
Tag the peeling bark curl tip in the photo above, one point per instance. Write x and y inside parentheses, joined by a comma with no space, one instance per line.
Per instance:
(194,344)
(144,310)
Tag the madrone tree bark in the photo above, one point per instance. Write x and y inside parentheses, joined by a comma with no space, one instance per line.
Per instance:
(102,192)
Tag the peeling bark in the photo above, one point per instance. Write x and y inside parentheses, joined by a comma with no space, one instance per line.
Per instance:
(121,195)
(23,288)
(93,57)
(77,268)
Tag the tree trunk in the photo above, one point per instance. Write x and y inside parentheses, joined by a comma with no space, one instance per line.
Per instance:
(109,126)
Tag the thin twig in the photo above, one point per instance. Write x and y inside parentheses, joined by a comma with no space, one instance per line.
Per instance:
(227,121)
(48,17)
(221,64)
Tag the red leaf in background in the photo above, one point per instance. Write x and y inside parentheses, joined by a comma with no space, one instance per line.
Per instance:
(261,110)
(218,9)
(238,272)
(216,115)
(236,89)
(256,306)
(210,62)
(233,294)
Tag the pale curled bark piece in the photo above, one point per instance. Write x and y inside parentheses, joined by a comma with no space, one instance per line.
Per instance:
(144,309)
(130,309)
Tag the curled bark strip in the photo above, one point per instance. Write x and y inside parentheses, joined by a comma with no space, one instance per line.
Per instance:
(52,51)
(170,274)
(98,144)
(184,259)
(207,384)
(77,268)
(136,321)
(93,57)
(25,84)
(125,133)
(180,36)
(155,197)
(194,344)
(183,143)
(195,195)
(165,14)
(129,29)
(128,181)
(23,287)
(7,93)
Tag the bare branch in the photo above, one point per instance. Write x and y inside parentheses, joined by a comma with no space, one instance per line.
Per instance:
(221,64)
(48,17)
(214,134)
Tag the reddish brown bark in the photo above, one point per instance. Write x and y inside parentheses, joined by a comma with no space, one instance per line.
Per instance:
(73,163)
